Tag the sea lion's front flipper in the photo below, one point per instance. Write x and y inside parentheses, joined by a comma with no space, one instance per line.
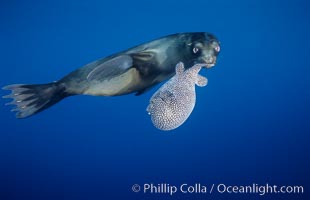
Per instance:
(143,56)
(111,68)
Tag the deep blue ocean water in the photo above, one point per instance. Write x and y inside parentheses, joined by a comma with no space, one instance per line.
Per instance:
(251,124)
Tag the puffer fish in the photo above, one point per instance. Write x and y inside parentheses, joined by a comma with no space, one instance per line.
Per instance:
(131,71)
(173,102)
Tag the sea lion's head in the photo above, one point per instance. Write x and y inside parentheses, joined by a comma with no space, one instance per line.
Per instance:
(202,48)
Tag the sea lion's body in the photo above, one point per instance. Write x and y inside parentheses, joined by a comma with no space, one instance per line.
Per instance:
(132,71)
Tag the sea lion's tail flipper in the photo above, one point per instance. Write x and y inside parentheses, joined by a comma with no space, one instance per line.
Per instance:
(31,99)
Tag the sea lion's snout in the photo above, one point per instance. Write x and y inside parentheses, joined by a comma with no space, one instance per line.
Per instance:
(211,54)
(209,61)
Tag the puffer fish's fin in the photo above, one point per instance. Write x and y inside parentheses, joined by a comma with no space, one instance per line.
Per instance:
(31,99)
(201,81)
(179,69)
(111,68)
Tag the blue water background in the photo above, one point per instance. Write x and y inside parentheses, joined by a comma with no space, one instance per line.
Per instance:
(251,124)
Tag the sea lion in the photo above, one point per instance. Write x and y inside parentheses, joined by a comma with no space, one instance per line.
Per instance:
(131,71)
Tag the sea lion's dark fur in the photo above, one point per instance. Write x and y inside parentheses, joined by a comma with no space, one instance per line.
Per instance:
(132,71)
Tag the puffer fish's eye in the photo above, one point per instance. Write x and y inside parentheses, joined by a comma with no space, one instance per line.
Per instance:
(195,49)
(217,48)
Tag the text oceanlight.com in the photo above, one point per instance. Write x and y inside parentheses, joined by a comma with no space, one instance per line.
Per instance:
(221,188)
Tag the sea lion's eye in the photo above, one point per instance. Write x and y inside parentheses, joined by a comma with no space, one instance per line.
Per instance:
(195,49)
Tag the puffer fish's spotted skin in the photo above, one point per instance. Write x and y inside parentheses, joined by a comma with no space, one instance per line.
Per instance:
(173,102)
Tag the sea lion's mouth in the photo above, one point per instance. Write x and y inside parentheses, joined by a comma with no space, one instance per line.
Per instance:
(209,62)
(209,65)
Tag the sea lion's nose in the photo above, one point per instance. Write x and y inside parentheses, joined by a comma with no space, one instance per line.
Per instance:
(210,61)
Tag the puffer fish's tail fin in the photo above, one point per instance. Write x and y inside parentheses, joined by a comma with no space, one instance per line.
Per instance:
(31,99)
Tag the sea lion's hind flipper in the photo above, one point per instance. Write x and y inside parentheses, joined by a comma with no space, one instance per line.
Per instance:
(31,99)
(110,68)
